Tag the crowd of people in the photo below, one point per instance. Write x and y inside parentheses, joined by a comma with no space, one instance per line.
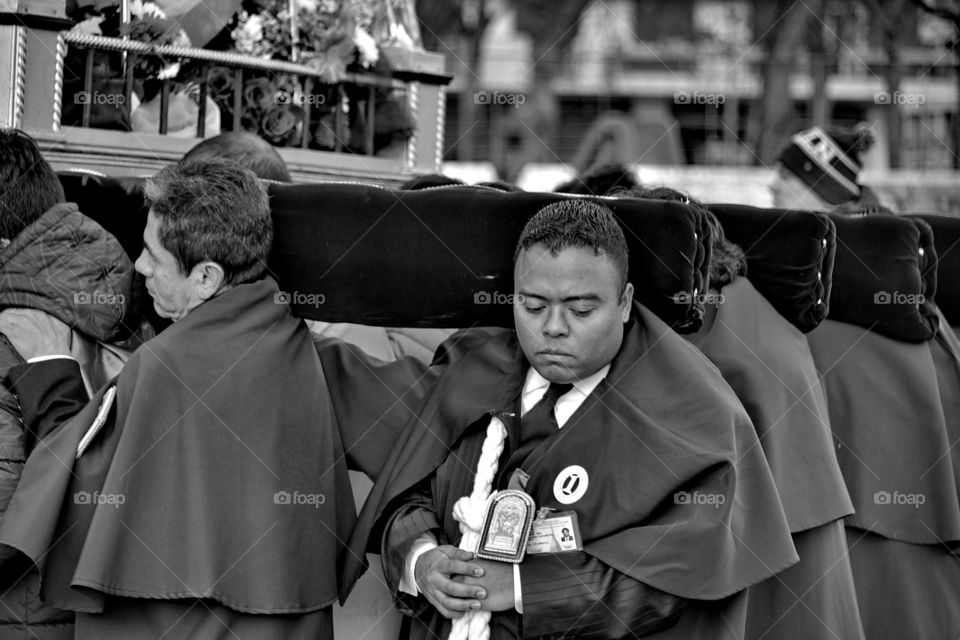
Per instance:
(179,451)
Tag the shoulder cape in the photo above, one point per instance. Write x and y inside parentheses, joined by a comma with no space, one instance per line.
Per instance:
(220,476)
(660,435)
(890,428)
(767,362)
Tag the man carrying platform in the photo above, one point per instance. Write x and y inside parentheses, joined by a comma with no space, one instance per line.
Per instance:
(204,494)
(594,417)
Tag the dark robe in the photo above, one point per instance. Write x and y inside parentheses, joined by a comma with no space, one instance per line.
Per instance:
(235,497)
(768,363)
(893,410)
(662,422)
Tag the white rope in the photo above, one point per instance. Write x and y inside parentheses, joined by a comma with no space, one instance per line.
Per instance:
(469,511)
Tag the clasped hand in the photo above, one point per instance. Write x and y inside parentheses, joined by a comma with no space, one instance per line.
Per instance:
(453,581)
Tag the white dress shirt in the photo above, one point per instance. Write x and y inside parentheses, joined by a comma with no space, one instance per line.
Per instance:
(534,388)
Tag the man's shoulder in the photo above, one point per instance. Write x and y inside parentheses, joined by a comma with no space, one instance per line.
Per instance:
(465,341)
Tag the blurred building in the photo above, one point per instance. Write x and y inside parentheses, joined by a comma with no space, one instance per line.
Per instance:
(685,78)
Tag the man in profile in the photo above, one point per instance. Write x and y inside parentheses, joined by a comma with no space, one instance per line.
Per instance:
(208,499)
(611,422)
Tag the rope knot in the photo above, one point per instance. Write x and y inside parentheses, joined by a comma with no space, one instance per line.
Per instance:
(469,512)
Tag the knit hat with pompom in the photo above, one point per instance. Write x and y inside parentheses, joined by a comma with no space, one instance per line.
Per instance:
(828,160)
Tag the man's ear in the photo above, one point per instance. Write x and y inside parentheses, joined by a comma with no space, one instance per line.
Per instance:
(209,278)
(626,302)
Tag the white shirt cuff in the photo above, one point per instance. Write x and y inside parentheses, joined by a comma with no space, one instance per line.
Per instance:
(408,581)
(45,358)
(517,590)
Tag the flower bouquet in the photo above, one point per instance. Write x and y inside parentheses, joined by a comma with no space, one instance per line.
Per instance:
(327,35)
(109,108)
(331,37)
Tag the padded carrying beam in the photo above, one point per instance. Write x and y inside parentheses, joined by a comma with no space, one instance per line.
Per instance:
(444,257)
(946,239)
(116,204)
(356,253)
(885,276)
(790,257)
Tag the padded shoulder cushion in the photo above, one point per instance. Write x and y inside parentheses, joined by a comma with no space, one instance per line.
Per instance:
(946,240)
(444,257)
(790,257)
(885,276)
(116,204)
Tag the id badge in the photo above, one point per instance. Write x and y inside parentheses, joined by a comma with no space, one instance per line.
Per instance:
(555,532)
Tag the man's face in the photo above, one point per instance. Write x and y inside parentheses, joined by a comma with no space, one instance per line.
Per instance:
(174,293)
(569,311)
(789,192)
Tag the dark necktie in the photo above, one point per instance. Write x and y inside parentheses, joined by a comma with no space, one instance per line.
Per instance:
(536,425)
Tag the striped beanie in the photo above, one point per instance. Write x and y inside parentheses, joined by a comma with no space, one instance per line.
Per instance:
(828,161)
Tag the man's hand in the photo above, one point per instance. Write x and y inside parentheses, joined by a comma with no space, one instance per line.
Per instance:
(496,581)
(435,574)
(35,333)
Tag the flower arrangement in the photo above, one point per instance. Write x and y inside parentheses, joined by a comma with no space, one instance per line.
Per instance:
(148,23)
(326,35)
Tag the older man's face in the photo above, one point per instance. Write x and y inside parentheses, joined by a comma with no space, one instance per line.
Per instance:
(569,311)
(174,293)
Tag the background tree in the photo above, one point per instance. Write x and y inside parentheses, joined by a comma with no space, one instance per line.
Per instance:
(784,28)
(949,10)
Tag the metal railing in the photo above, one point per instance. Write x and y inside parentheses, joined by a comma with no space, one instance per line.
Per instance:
(241,67)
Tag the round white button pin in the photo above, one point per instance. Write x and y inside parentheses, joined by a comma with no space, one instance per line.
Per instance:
(571,484)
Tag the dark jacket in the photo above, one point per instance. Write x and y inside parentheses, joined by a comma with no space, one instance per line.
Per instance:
(68,266)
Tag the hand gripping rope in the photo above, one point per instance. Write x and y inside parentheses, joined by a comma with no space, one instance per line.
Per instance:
(469,511)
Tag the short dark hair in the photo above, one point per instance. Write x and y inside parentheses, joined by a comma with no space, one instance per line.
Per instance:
(28,185)
(430,180)
(600,181)
(727,259)
(577,223)
(213,210)
(250,151)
